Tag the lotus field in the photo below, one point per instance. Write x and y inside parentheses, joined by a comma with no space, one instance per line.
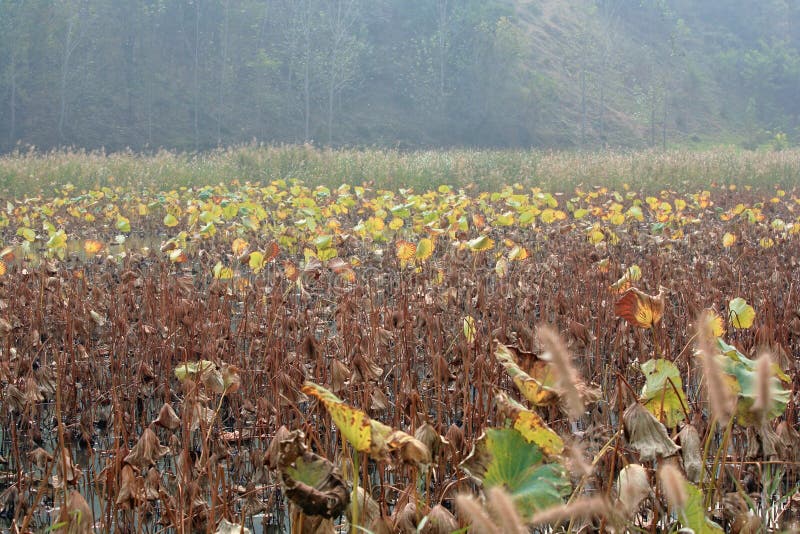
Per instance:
(282,357)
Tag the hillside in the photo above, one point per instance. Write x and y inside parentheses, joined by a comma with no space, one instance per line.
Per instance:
(195,74)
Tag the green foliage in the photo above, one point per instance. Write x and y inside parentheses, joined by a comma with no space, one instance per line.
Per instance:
(407,73)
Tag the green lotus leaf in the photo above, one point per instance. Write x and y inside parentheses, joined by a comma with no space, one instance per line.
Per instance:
(503,457)
(743,370)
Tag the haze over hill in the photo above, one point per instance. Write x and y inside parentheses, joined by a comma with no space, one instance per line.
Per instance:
(194,74)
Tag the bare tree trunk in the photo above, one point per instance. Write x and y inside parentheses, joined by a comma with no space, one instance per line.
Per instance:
(583,107)
(443,28)
(664,124)
(12,127)
(307,73)
(70,43)
(196,73)
(223,68)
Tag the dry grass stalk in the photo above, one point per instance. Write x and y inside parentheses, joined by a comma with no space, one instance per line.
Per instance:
(584,508)
(719,398)
(568,377)
(475,515)
(674,485)
(504,511)
(763,398)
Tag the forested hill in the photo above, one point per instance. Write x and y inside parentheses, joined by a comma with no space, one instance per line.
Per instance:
(194,74)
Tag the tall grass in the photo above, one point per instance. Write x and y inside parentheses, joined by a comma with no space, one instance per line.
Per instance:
(30,173)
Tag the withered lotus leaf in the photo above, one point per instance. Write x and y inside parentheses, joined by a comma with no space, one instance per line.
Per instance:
(147,451)
(440,521)
(632,488)
(167,418)
(130,492)
(639,308)
(689,440)
(310,481)
(369,511)
(226,527)
(78,514)
(646,434)
(366,434)
(434,441)
(152,484)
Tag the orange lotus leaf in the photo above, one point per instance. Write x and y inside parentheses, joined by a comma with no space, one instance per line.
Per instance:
(639,308)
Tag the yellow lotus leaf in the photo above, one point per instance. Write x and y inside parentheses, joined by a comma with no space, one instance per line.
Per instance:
(256,261)
(728,239)
(425,249)
(715,322)
(123,225)
(740,313)
(518,253)
(405,250)
(27,234)
(501,267)
(640,309)
(239,246)
(469,328)
(480,243)
(354,424)
(596,236)
(221,272)
(170,220)
(766,242)
(530,425)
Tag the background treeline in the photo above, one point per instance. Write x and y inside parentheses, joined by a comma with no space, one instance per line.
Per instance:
(194,74)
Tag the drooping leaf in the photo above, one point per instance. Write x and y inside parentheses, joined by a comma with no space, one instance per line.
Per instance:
(631,274)
(311,482)
(222,272)
(368,435)
(502,457)
(539,389)
(646,434)
(351,422)
(469,328)
(662,393)
(530,425)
